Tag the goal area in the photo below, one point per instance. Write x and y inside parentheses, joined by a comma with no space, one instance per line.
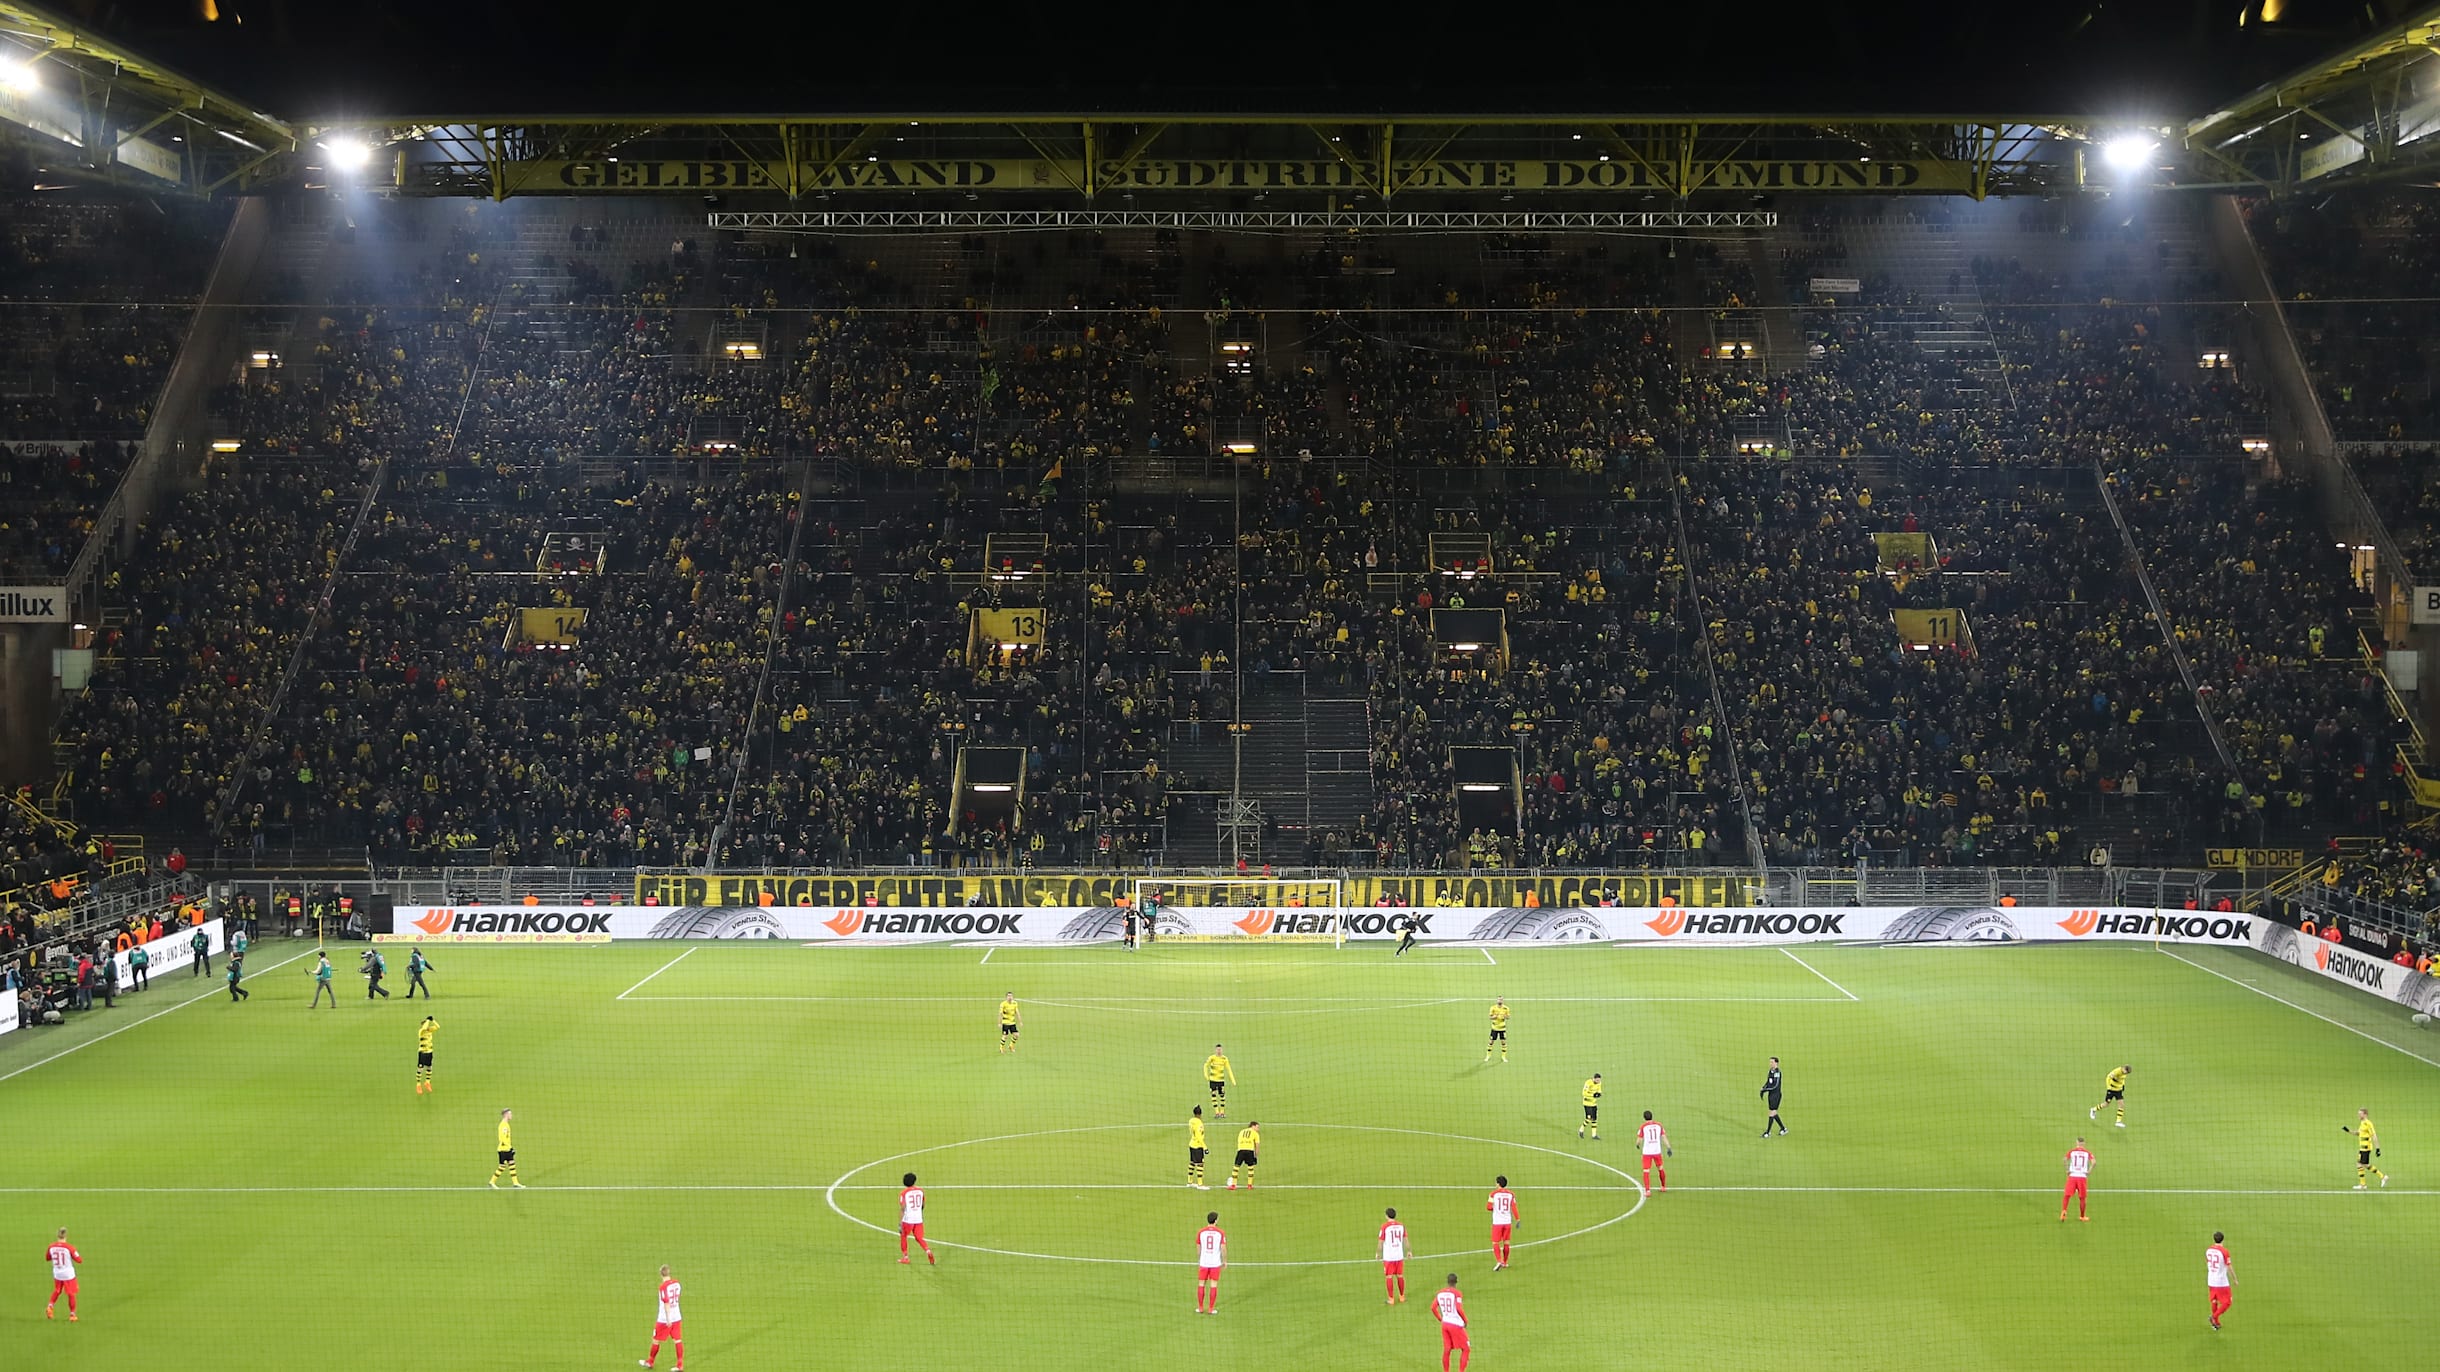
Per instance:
(1242,909)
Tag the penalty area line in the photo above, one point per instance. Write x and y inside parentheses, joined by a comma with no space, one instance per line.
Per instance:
(1817,972)
(658,971)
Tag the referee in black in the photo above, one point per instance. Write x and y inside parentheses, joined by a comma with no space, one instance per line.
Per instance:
(1406,936)
(1770,1097)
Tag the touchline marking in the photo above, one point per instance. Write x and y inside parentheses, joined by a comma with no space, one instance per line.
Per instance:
(2294,1006)
(1388,1188)
(2037,1190)
(659,970)
(1286,1000)
(114,1033)
(1817,972)
(1642,1195)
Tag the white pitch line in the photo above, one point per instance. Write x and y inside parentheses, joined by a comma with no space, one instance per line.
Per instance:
(658,971)
(1818,972)
(1488,958)
(1521,1000)
(987,954)
(2037,1190)
(1382,1187)
(114,1033)
(2294,1006)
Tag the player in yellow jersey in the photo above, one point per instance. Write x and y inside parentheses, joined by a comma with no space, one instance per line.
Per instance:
(1248,1139)
(1592,1107)
(1010,1022)
(423,1055)
(1499,1031)
(2113,1089)
(2367,1147)
(1195,1150)
(508,1157)
(1220,1077)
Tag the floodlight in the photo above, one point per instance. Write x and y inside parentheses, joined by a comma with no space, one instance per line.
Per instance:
(347,152)
(2128,152)
(19,76)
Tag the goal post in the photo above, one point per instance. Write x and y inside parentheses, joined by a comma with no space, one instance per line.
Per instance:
(1243,909)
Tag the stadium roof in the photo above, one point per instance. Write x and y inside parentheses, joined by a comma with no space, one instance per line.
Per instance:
(1324,107)
(314,60)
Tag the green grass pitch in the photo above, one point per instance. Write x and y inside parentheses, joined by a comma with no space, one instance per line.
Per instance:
(259,1187)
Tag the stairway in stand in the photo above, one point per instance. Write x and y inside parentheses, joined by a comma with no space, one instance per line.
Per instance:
(1271,757)
(1338,762)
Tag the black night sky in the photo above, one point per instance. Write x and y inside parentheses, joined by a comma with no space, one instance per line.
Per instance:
(298,58)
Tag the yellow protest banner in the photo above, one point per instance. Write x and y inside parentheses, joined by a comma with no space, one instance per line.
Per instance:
(1436,890)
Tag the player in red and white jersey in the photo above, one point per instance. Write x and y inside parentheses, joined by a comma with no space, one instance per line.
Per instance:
(64,1258)
(2079,1167)
(1211,1254)
(1503,1208)
(665,1326)
(1393,1257)
(910,1221)
(1656,1147)
(2220,1276)
(1449,1304)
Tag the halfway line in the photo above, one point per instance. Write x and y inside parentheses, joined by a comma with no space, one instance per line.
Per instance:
(168,1010)
(2294,1006)
(658,971)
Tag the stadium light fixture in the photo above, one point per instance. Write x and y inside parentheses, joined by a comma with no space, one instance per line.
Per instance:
(348,153)
(1465,647)
(993,787)
(226,445)
(2128,152)
(1478,786)
(19,76)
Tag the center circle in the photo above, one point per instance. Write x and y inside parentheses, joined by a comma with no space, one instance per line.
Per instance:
(830,1195)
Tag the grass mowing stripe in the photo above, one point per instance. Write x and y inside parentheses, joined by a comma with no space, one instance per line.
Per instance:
(2375,1038)
(114,1033)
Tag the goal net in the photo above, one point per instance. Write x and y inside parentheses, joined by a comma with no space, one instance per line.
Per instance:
(1242,909)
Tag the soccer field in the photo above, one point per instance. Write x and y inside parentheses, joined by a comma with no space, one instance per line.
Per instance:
(259,1187)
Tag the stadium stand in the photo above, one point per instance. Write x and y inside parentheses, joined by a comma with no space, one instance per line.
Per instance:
(780,479)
